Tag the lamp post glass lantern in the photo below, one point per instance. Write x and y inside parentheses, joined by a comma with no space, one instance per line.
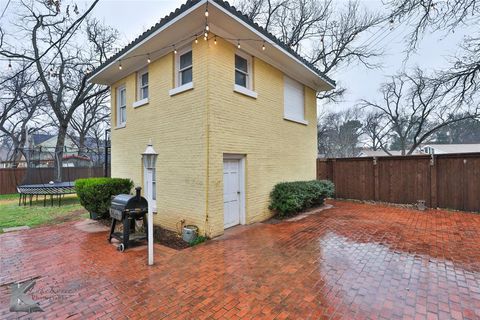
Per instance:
(149,162)
(149,157)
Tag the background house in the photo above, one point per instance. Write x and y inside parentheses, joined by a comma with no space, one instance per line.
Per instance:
(450,148)
(230,110)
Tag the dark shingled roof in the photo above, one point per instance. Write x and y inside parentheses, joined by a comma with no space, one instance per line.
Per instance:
(189,4)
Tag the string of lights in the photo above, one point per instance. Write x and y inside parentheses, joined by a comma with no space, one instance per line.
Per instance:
(206,33)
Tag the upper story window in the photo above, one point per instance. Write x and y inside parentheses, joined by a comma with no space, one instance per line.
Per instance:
(243,66)
(121,106)
(142,84)
(184,67)
(294,100)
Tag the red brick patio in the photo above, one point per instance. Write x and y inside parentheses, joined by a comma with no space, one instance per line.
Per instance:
(354,261)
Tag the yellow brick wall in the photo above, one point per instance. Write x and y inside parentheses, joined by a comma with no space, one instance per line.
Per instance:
(176,126)
(276,149)
(205,123)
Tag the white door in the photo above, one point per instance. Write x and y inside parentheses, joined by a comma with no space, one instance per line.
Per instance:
(231,192)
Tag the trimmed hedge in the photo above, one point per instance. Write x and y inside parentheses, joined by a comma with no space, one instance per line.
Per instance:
(290,198)
(95,194)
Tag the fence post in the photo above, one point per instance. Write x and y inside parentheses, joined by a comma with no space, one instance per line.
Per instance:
(376,181)
(433,182)
(332,162)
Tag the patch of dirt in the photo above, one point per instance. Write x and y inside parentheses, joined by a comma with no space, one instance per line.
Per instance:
(161,236)
(298,216)
(72,216)
(169,238)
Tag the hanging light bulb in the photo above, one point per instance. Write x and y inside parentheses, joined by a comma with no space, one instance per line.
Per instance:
(196,39)
(206,12)
(148,58)
(215,40)
(175,50)
(207,28)
(120,65)
(263,46)
(238,45)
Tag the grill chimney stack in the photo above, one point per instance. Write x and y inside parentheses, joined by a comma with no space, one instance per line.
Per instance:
(138,190)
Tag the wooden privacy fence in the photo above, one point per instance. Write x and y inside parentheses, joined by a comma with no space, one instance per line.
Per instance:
(10,178)
(445,181)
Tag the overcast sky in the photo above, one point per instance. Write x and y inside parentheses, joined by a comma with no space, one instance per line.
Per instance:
(131,18)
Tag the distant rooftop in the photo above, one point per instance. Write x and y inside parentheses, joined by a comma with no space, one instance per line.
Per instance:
(454,148)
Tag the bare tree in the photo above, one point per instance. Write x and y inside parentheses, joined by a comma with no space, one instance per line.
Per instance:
(461,79)
(339,134)
(87,118)
(20,112)
(376,129)
(61,52)
(321,30)
(416,107)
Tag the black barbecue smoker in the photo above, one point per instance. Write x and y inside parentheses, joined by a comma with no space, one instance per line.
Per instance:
(128,209)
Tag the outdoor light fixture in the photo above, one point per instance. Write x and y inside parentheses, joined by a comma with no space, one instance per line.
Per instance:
(263,46)
(238,45)
(149,157)
(148,59)
(207,28)
(196,39)
(215,40)
(175,50)
(120,65)
(149,162)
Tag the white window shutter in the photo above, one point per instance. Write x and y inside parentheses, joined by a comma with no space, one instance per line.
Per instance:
(294,100)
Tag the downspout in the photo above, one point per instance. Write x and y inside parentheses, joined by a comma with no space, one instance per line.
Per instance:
(207,178)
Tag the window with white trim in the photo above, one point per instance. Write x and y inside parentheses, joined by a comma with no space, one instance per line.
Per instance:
(294,100)
(184,67)
(243,70)
(142,84)
(121,106)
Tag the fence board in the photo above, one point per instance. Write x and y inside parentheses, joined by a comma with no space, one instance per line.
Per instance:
(450,181)
(10,178)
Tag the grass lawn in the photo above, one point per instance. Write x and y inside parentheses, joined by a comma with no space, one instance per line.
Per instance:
(13,215)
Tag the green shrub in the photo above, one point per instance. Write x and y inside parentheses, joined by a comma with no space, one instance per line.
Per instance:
(95,194)
(290,198)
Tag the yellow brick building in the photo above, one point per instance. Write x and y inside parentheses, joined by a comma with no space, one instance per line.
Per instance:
(230,114)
